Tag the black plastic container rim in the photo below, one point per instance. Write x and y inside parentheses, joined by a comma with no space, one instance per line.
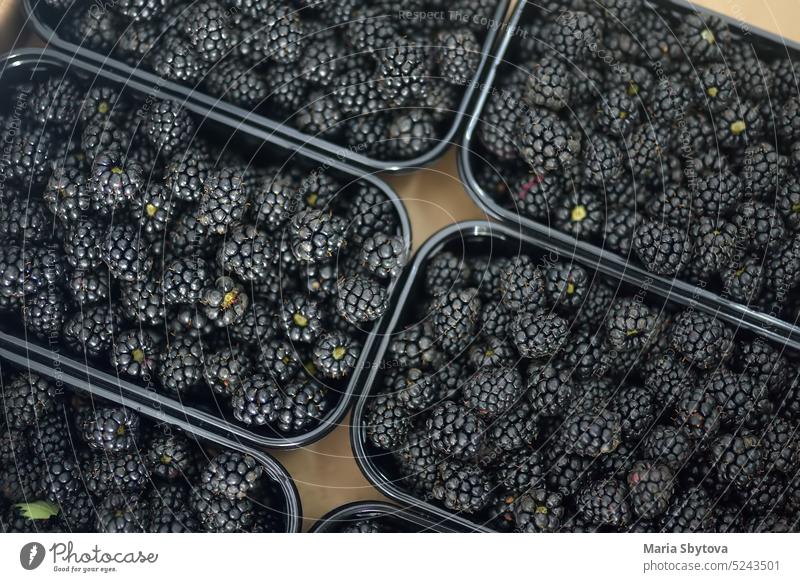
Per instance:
(274,470)
(358,510)
(773,327)
(465,230)
(28,57)
(342,153)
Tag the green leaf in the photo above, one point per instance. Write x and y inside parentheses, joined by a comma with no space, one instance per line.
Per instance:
(37,510)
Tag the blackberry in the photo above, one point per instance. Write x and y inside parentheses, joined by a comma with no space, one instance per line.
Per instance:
(27,399)
(319,116)
(520,470)
(666,375)
(788,121)
(618,113)
(788,202)
(740,400)
(153,210)
(50,439)
(360,299)
(289,90)
(462,487)
(209,31)
(77,514)
(703,339)
(336,354)
(275,201)
(278,360)
(497,126)
(67,195)
(717,193)
(27,270)
(538,194)
(387,423)
(90,331)
(522,284)
(88,288)
(225,370)
(284,32)
(592,434)
(55,103)
(143,301)
(663,249)
(605,503)
(232,474)
(545,142)
(184,280)
(171,55)
(630,325)
(135,354)
(237,83)
(638,409)
(320,63)
(126,253)
(26,220)
(184,177)
(539,510)
(116,179)
(415,390)
(603,160)
(550,84)
(690,511)
(291,408)
(402,73)
(80,245)
(102,137)
(369,211)
(738,459)
(26,159)
(384,256)
(170,511)
(758,226)
(783,267)
(492,391)
(764,170)
(457,54)
(717,86)
(579,214)
(702,35)
(224,200)
(113,430)
(253,402)
(573,33)
(170,457)
(669,446)
(762,362)
(180,368)
(124,474)
(411,133)
(697,413)
(247,252)
(43,313)
(417,462)
(739,125)
(620,230)
(491,352)
(301,319)
(315,235)
(516,429)
(714,243)
(455,431)
(495,319)
(550,389)
(370,29)
(221,514)
(444,272)
(539,335)
(652,485)
(415,347)
(224,303)
(781,446)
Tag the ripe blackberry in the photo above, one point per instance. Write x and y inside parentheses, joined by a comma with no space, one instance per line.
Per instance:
(702,36)
(716,193)
(180,368)
(444,272)
(783,267)
(545,142)
(226,369)
(27,270)
(135,354)
(539,335)
(113,430)
(762,362)
(224,200)
(232,474)
(387,422)
(275,201)
(638,409)
(697,413)
(518,471)
(142,301)
(184,280)
(26,160)
(455,431)
(296,406)
(50,439)
(169,127)
(714,243)
(284,32)
(315,235)
(102,137)
(663,249)
(603,159)
(592,434)
(758,226)
(360,299)
(153,210)
(764,170)
(224,302)
(666,375)
(492,391)
(491,352)
(605,503)
(703,339)
(67,195)
(80,245)
(498,126)
(27,399)
(319,63)
(669,446)
(116,179)
(301,319)
(539,510)
(462,487)
(690,511)
(247,252)
(170,456)
(618,113)
(522,284)
(43,313)
(516,429)
(384,256)
(788,202)
(630,325)
(26,220)
(573,33)
(551,389)
(370,212)
(457,55)
(411,133)
(579,214)
(414,389)
(126,253)
(417,462)
(90,331)
(124,474)
(88,288)
(209,31)
(55,103)
(717,86)
(741,402)
(788,121)
(739,125)
(237,83)
(415,347)
(402,72)
(184,176)
(278,360)
(455,315)
(652,485)
(319,116)
(221,514)
(171,55)
(336,354)
(781,446)
(620,230)
(550,84)
(739,458)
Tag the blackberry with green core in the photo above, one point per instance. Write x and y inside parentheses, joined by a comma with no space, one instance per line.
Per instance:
(135,353)
(301,319)
(224,302)
(335,355)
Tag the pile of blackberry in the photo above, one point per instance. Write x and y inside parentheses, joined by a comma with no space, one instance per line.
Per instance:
(373,76)
(530,394)
(138,244)
(664,137)
(71,464)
